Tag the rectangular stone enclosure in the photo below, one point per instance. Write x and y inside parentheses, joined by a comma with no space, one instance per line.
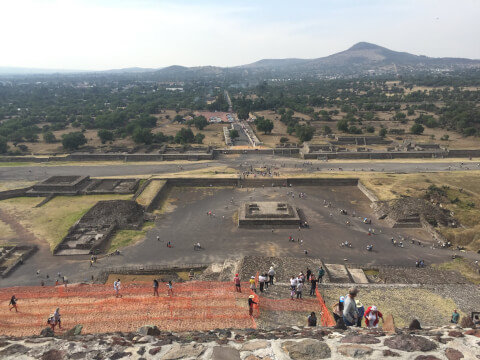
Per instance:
(253,214)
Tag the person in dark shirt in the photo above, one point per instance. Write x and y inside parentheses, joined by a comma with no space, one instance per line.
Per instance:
(312,319)
(313,285)
(250,304)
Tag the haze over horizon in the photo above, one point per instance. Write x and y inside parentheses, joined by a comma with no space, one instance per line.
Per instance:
(112,34)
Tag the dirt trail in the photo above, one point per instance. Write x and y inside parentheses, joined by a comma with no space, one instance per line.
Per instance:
(22,233)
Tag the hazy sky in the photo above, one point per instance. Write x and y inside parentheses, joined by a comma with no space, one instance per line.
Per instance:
(108,34)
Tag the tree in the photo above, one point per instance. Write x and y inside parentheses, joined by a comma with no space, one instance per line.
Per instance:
(304,132)
(178,118)
(417,129)
(370,129)
(264,125)
(198,139)
(49,137)
(23,147)
(445,137)
(200,122)
(327,130)
(184,136)
(105,135)
(382,132)
(234,133)
(342,125)
(73,140)
(142,136)
(3,145)
(243,113)
(283,140)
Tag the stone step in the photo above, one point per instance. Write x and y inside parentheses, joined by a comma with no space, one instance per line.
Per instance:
(338,273)
(358,276)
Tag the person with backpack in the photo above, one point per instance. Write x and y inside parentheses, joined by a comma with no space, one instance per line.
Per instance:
(51,321)
(155,287)
(13,302)
(312,319)
(170,288)
(271,275)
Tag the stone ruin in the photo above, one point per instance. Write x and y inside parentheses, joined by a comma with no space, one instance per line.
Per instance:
(82,185)
(91,233)
(268,213)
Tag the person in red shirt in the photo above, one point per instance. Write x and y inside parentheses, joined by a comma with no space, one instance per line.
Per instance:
(236,280)
(372,315)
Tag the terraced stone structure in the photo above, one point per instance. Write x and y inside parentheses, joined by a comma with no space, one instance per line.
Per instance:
(267,213)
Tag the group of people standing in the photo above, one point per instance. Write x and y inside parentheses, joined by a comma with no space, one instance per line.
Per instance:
(298,283)
(352,311)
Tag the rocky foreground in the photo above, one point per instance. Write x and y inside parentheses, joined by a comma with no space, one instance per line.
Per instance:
(296,343)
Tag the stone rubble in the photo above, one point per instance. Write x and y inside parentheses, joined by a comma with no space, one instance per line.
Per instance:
(284,343)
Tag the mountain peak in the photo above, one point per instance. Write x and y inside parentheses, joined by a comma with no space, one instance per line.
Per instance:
(364,46)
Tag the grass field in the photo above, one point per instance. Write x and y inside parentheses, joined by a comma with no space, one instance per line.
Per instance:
(124,238)
(51,221)
(149,192)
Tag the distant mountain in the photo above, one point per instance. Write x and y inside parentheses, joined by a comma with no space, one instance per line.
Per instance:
(361,58)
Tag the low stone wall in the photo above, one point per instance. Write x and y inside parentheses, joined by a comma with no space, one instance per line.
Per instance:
(27,252)
(8,194)
(160,196)
(368,193)
(286,343)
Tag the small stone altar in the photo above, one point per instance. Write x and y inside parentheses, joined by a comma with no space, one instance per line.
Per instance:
(267,214)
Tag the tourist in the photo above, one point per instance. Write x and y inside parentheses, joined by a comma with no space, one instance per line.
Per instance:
(271,274)
(56,316)
(51,321)
(250,304)
(361,312)
(158,238)
(338,309)
(169,288)
(350,312)
(236,281)
(293,283)
(13,302)
(455,317)
(312,319)
(321,272)
(261,280)
(116,287)
(252,284)
(313,285)
(155,287)
(476,320)
(309,272)
(372,315)
(265,280)
(299,289)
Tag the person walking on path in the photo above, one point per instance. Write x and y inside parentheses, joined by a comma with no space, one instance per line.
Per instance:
(261,280)
(309,273)
(299,289)
(313,285)
(56,317)
(350,312)
(250,304)
(236,281)
(321,272)
(271,274)
(13,303)
(170,288)
(312,319)
(155,287)
(116,287)
(372,315)
(252,284)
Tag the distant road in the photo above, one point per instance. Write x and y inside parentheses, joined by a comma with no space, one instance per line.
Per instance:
(39,172)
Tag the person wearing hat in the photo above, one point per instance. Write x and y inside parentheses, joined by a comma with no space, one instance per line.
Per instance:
(372,315)
(361,312)
(338,309)
(350,312)
(250,304)
(271,275)
(252,284)
(236,280)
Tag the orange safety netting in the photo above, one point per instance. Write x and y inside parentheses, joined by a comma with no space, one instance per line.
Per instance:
(195,305)
(327,319)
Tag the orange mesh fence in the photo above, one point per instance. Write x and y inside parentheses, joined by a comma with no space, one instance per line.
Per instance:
(327,319)
(195,305)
